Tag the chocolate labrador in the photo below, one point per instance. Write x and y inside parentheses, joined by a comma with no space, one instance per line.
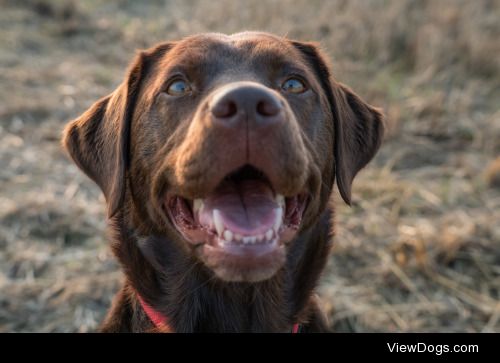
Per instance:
(217,156)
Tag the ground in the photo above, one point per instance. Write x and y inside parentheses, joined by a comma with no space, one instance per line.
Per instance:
(419,250)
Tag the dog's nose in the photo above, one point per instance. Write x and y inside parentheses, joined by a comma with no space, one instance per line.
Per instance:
(250,101)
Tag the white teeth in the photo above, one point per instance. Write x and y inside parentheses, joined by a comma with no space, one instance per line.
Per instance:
(279,217)
(280,199)
(219,226)
(197,204)
(228,235)
(269,234)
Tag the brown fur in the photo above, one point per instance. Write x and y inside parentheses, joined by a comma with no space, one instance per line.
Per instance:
(137,145)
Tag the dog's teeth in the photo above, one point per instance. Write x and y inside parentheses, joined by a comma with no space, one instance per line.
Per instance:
(253,239)
(228,235)
(280,200)
(278,220)
(238,237)
(269,235)
(246,240)
(219,226)
(197,204)
(260,238)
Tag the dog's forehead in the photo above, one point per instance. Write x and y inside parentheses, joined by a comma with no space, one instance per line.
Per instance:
(238,41)
(240,47)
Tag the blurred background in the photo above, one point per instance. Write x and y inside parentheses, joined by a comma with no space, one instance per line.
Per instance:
(419,250)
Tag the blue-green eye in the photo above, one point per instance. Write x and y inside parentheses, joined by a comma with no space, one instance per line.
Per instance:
(294,85)
(178,88)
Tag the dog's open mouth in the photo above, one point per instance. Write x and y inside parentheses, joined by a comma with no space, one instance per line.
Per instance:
(244,216)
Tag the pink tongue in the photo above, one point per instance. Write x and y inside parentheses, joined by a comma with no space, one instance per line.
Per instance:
(247,207)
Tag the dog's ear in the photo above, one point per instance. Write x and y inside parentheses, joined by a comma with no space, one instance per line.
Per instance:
(358,127)
(359,130)
(98,141)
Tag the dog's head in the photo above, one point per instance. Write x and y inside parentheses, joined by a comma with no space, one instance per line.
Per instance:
(226,146)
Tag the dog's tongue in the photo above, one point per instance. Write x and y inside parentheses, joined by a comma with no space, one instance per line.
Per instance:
(246,207)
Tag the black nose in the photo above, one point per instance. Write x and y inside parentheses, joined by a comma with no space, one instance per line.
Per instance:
(246,100)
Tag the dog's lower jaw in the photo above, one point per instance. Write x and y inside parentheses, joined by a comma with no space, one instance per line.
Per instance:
(238,269)
(195,302)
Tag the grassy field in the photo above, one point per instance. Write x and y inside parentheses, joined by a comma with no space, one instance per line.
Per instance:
(418,251)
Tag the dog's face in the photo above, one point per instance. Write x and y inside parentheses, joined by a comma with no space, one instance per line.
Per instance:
(226,147)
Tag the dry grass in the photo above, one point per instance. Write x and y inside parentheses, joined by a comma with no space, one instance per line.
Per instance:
(418,251)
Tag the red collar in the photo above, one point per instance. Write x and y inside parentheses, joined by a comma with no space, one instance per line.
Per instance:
(158,319)
(161,321)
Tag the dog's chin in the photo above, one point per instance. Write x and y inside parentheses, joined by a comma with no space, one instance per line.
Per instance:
(248,264)
(240,230)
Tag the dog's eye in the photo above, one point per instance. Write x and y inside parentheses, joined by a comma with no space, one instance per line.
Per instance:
(294,85)
(178,88)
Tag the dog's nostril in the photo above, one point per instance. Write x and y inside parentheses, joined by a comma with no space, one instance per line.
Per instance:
(268,108)
(224,109)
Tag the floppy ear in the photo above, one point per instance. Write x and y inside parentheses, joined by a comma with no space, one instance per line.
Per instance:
(98,141)
(358,127)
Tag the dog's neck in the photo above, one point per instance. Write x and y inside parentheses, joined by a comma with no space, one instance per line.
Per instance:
(183,290)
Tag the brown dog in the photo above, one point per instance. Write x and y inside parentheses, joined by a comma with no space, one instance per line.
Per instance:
(217,156)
